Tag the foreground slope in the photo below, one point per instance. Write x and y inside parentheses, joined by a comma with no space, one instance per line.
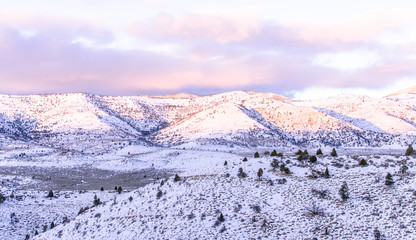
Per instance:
(300,205)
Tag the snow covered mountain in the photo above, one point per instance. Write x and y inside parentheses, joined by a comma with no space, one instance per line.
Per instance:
(242,118)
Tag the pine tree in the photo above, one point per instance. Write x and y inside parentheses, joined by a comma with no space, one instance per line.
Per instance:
(326,174)
(221,218)
(52,225)
(334,153)
(115,188)
(96,201)
(102,189)
(273,154)
(344,191)
(275,164)
(256,155)
(313,159)
(50,194)
(363,163)
(245,159)
(225,163)
(119,189)
(299,152)
(260,172)
(305,153)
(177,178)
(319,152)
(409,150)
(389,179)
(2,198)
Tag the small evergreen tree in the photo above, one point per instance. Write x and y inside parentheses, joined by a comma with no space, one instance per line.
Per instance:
(334,153)
(50,194)
(102,189)
(225,163)
(2,198)
(177,178)
(363,163)
(36,233)
(27,237)
(273,154)
(130,198)
(159,194)
(299,152)
(326,174)
(115,188)
(319,152)
(96,201)
(260,173)
(221,218)
(305,153)
(313,159)
(45,227)
(389,180)
(256,155)
(119,189)
(344,191)
(245,159)
(52,225)
(275,164)
(377,234)
(280,154)
(409,150)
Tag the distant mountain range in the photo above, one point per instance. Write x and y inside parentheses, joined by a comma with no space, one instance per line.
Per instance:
(84,122)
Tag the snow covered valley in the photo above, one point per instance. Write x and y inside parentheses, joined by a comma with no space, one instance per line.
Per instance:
(211,198)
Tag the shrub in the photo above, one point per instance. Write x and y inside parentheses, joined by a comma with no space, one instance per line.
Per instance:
(319,152)
(280,154)
(334,153)
(273,154)
(389,180)
(241,173)
(177,178)
(284,169)
(2,198)
(96,201)
(274,164)
(326,174)
(102,189)
(50,194)
(260,173)
(159,194)
(344,191)
(130,198)
(315,210)
(404,169)
(115,188)
(313,159)
(363,163)
(245,159)
(119,189)
(409,150)
(256,155)
(266,153)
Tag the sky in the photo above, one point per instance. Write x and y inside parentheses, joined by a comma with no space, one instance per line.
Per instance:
(301,49)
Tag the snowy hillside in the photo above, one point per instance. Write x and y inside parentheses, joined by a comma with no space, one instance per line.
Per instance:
(233,118)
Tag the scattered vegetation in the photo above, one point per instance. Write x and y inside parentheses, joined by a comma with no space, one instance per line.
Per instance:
(334,153)
(363,163)
(344,191)
(96,201)
(50,194)
(389,180)
(274,164)
(241,173)
(409,150)
(260,173)
(319,152)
